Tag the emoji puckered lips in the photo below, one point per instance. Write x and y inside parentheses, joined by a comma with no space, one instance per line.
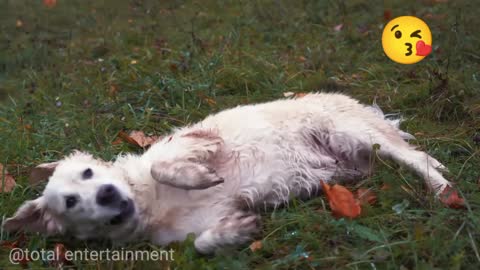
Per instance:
(423,49)
(406,40)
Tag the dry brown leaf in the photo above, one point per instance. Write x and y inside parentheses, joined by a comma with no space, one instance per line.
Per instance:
(113,91)
(210,101)
(387,15)
(366,196)
(256,245)
(7,182)
(15,246)
(450,198)
(60,258)
(342,201)
(137,138)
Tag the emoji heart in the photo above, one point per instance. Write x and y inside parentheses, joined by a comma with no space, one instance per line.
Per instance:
(423,49)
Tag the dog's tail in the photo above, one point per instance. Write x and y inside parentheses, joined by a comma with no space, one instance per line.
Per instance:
(394,119)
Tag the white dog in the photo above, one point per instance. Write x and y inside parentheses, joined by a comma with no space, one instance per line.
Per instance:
(207,178)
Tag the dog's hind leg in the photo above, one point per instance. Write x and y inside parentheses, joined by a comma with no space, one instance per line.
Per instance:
(393,146)
(365,134)
(418,161)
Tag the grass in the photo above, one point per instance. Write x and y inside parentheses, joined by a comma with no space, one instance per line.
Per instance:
(73,75)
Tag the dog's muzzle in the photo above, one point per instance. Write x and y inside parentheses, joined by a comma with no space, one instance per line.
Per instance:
(109,196)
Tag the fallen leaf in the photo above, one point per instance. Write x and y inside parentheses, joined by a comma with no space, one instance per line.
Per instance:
(7,182)
(24,258)
(117,141)
(173,67)
(113,91)
(210,101)
(366,196)
(18,243)
(137,138)
(60,258)
(50,3)
(387,15)
(342,201)
(450,198)
(15,246)
(8,244)
(256,245)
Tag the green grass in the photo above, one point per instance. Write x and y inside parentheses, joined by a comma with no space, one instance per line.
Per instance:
(74,75)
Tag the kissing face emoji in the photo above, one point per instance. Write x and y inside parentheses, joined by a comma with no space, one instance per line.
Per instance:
(406,40)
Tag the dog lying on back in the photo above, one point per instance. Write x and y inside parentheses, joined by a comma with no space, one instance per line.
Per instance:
(207,178)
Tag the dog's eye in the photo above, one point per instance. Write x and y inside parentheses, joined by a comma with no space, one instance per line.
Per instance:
(70,201)
(87,174)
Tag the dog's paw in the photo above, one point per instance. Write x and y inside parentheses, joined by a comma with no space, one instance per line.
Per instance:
(185,175)
(232,230)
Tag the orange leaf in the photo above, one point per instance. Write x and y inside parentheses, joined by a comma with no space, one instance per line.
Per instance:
(210,101)
(450,198)
(7,182)
(9,244)
(59,258)
(137,138)
(257,245)
(366,196)
(50,3)
(113,90)
(387,15)
(341,201)
(19,242)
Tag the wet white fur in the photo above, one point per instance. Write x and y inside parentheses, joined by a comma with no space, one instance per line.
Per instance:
(266,153)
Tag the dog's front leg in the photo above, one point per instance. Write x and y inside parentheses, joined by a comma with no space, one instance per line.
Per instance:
(186,160)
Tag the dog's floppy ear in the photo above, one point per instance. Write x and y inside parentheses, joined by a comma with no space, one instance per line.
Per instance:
(42,172)
(33,216)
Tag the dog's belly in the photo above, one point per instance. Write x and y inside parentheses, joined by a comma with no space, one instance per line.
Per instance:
(271,171)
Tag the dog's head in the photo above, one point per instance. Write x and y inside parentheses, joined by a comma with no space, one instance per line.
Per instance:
(86,197)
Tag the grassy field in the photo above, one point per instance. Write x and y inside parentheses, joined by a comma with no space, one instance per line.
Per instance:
(74,75)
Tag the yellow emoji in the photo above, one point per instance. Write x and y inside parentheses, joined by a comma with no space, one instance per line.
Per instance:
(406,40)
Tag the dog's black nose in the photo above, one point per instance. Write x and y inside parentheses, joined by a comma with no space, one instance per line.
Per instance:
(108,195)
